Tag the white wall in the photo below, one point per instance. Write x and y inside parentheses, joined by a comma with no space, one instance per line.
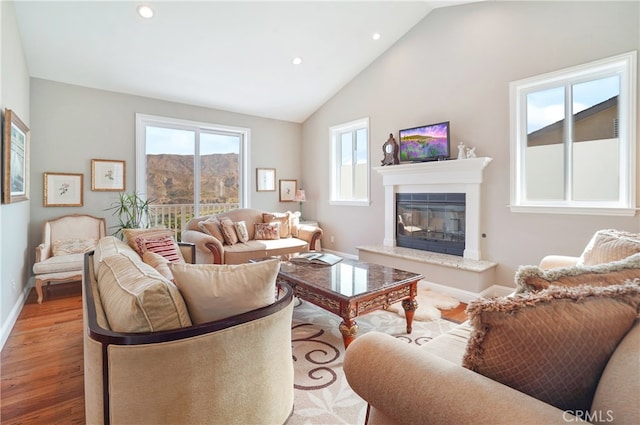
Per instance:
(14,218)
(456,65)
(72,124)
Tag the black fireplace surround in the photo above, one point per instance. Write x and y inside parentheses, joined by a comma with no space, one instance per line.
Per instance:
(431,222)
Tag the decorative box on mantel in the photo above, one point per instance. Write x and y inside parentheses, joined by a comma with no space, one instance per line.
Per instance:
(451,176)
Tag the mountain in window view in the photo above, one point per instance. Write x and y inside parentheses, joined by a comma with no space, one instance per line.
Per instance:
(170,178)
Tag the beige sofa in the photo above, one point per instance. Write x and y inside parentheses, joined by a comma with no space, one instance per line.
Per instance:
(234,370)
(407,384)
(212,249)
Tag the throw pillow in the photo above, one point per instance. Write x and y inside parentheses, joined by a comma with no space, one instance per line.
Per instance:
(533,278)
(214,292)
(136,298)
(133,238)
(241,231)
(280,218)
(211,226)
(228,231)
(164,246)
(610,245)
(267,231)
(552,344)
(159,263)
(73,246)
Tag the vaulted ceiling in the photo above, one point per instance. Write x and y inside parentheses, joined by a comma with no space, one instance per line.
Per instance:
(230,55)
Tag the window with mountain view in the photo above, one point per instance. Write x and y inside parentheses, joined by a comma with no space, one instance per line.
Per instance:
(189,169)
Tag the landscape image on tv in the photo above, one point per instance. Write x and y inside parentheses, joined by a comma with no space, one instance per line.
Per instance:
(425,143)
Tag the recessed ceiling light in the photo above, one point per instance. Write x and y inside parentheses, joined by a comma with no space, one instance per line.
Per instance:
(297,61)
(376,36)
(145,11)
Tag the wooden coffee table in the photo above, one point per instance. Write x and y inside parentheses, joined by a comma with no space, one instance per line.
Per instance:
(352,288)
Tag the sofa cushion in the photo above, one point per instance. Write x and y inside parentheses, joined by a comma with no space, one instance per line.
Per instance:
(619,387)
(73,246)
(60,263)
(228,231)
(241,231)
(138,239)
(136,298)
(211,226)
(553,344)
(214,292)
(159,263)
(533,278)
(610,245)
(267,231)
(283,219)
(108,246)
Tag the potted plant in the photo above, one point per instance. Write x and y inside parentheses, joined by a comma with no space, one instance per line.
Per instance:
(131,210)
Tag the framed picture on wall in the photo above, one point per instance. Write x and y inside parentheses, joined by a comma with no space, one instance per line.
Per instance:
(266,179)
(108,175)
(63,190)
(15,159)
(288,190)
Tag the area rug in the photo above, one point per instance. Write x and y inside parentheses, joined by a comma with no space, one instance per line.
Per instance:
(429,302)
(322,394)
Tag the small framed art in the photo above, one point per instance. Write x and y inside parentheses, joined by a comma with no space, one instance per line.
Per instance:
(63,190)
(266,179)
(108,175)
(288,190)
(15,159)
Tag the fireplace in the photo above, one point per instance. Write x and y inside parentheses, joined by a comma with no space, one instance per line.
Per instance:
(462,178)
(431,222)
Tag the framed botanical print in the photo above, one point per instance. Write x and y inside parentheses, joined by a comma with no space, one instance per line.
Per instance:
(108,175)
(288,190)
(63,190)
(266,179)
(15,159)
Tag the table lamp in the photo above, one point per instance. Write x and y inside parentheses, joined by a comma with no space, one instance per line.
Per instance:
(300,198)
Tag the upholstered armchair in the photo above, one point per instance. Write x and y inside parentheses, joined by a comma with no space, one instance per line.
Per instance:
(59,258)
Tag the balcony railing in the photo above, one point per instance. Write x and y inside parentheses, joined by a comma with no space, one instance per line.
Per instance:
(176,216)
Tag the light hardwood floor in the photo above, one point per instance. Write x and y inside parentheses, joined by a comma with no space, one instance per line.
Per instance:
(42,367)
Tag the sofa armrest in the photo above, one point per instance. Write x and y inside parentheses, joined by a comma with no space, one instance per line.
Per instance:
(310,234)
(42,252)
(209,250)
(553,261)
(408,385)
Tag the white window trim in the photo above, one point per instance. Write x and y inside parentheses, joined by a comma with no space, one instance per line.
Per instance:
(142,120)
(333,132)
(626,206)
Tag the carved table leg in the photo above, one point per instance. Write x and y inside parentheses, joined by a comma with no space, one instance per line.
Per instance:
(349,329)
(410,306)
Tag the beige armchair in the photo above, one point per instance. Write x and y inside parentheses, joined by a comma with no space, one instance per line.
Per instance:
(59,258)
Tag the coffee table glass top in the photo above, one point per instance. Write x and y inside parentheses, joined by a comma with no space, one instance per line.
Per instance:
(348,277)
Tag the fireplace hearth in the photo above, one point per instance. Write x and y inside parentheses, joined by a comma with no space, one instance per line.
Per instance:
(432,222)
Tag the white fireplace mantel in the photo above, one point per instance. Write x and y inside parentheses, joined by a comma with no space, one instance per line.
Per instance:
(453,176)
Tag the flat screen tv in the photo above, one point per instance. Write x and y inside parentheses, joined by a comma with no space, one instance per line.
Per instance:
(425,143)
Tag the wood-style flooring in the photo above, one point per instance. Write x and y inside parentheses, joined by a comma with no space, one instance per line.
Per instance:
(42,365)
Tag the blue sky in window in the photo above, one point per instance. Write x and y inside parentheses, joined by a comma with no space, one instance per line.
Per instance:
(547,106)
(181,142)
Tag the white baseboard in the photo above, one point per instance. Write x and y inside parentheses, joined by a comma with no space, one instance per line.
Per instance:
(8,324)
(497,291)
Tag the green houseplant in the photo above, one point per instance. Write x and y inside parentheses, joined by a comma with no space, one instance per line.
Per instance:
(132,212)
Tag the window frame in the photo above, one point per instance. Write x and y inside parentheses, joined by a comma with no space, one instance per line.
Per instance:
(624,66)
(143,120)
(335,156)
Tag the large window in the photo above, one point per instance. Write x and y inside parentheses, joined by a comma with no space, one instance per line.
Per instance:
(350,163)
(189,169)
(573,139)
